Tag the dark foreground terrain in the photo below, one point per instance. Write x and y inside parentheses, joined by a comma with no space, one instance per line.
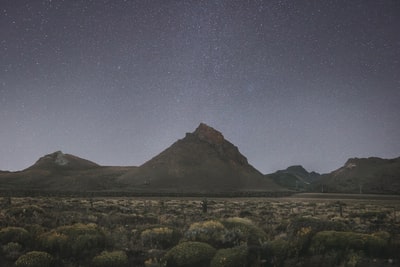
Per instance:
(303,230)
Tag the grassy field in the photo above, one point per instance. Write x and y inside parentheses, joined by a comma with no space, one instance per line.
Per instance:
(301,230)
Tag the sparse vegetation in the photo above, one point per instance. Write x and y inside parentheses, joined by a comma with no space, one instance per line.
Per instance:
(85,232)
(110,259)
(35,259)
(194,254)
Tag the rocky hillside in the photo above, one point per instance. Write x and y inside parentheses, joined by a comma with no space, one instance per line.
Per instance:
(363,175)
(60,161)
(203,161)
(294,178)
(63,172)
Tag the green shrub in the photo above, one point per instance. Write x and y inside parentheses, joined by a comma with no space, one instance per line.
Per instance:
(280,250)
(160,237)
(111,259)
(54,242)
(25,211)
(372,245)
(211,232)
(14,234)
(185,254)
(297,225)
(230,257)
(11,251)
(35,259)
(242,231)
(77,241)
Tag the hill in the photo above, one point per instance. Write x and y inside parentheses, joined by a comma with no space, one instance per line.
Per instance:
(294,178)
(60,161)
(203,161)
(363,175)
(62,172)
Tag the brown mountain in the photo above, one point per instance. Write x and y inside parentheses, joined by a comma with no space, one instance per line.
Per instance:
(203,161)
(294,178)
(60,161)
(63,172)
(363,175)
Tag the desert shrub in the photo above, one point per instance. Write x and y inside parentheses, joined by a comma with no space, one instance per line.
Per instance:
(11,251)
(35,259)
(189,254)
(25,211)
(118,238)
(110,259)
(372,245)
(243,231)
(77,241)
(14,234)
(368,215)
(230,257)
(54,242)
(280,250)
(211,232)
(302,229)
(315,225)
(160,237)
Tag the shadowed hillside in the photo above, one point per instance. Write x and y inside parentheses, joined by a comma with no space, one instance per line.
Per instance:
(203,161)
(63,172)
(294,178)
(363,175)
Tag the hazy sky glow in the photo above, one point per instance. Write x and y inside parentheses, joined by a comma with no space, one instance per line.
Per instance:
(116,82)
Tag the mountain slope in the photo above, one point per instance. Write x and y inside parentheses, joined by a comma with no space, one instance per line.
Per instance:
(60,161)
(63,172)
(294,178)
(363,175)
(203,161)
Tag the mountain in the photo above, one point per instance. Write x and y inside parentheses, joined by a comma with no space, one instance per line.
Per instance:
(294,178)
(203,161)
(63,172)
(60,161)
(363,175)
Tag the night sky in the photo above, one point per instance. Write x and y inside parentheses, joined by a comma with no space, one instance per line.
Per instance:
(116,82)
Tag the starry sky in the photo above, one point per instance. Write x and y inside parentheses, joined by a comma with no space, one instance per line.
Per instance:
(287,81)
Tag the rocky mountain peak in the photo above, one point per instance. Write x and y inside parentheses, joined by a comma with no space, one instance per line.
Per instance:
(59,160)
(209,134)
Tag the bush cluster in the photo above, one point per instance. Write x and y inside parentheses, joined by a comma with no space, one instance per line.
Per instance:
(14,234)
(370,244)
(160,237)
(243,231)
(76,241)
(230,257)
(189,254)
(110,259)
(35,259)
(211,232)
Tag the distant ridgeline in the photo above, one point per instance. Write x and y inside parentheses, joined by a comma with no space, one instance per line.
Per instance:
(362,176)
(203,163)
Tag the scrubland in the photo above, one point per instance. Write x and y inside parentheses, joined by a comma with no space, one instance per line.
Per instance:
(291,231)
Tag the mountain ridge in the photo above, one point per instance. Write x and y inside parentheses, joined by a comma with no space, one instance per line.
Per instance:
(202,161)
(294,177)
(363,175)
